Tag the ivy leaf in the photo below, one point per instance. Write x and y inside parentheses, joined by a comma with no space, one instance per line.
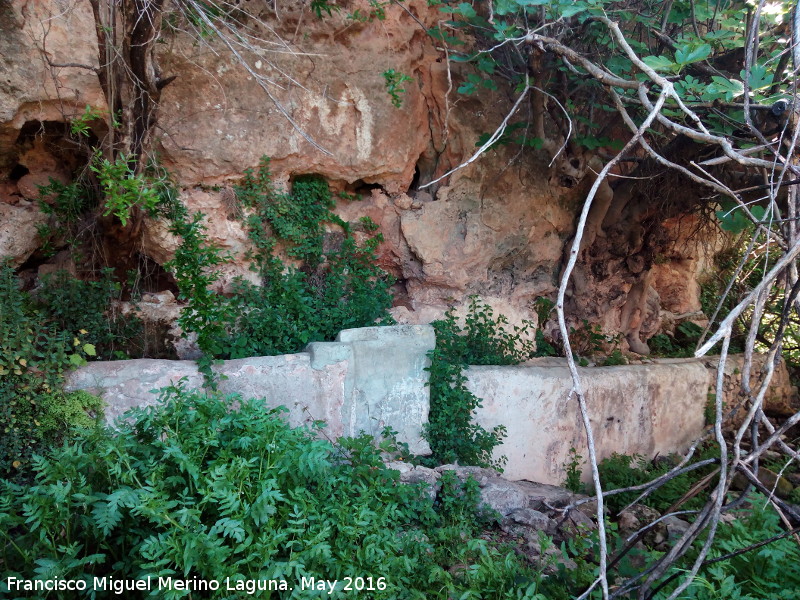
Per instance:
(506,7)
(726,88)
(77,360)
(759,78)
(574,9)
(466,88)
(732,218)
(619,64)
(685,55)
(659,63)
(486,64)
(465,9)
(90,349)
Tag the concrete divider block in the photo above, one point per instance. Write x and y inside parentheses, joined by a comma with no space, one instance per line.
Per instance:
(390,381)
(126,384)
(368,379)
(311,393)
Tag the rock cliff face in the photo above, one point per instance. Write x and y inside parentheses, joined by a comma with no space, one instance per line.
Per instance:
(497,228)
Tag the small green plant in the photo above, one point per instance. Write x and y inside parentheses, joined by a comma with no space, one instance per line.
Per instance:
(80,126)
(680,345)
(335,286)
(484,339)
(589,339)
(394,82)
(195,270)
(616,358)
(67,206)
(710,409)
(73,305)
(620,470)
(124,190)
(377,11)
(67,203)
(572,468)
(770,571)
(35,414)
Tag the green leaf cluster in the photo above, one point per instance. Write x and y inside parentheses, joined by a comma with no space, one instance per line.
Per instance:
(34,354)
(771,571)
(733,219)
(216,487)
(483,340)
(72,305)
(394,82)
(700,48)
(313,283)
(681,344)
(123,189)
(622,470)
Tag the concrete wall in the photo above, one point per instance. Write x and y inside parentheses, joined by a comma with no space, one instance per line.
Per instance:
(636,409)
(369,378)
(375,377)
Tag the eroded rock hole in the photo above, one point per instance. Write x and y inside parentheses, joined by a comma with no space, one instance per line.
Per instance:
(362,188)
(18,172)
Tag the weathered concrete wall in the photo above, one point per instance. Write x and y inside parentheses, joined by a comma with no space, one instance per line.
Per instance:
(635,409)
(375,377)
(368,379)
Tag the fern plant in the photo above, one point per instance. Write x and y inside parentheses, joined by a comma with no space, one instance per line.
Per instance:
(210,487)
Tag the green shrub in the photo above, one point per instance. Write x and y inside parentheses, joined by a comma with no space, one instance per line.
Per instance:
(680,345)
(123,189)
(72,305)
(771,571)
(68,203)
(34,413)
(195,268)
(484,340)
(621,470)
(573,472)
(208,487)
(332,289)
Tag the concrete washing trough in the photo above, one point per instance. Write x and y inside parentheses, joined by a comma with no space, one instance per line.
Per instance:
(374,377)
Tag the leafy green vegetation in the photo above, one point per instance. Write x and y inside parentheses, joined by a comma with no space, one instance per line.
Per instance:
(573,471)
(336,286)
(35,414)
(71,305)
(683,58)
(394,82)
(484,340)
(123,189)
(209,487)
(770,571)
(621,471)
(680,345)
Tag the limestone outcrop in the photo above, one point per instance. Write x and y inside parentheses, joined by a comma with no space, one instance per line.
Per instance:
(498,228)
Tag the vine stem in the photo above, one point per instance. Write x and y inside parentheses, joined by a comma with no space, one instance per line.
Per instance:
(492,139)
(577,390)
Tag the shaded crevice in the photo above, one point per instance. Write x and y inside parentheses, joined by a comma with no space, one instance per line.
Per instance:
(18,172)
